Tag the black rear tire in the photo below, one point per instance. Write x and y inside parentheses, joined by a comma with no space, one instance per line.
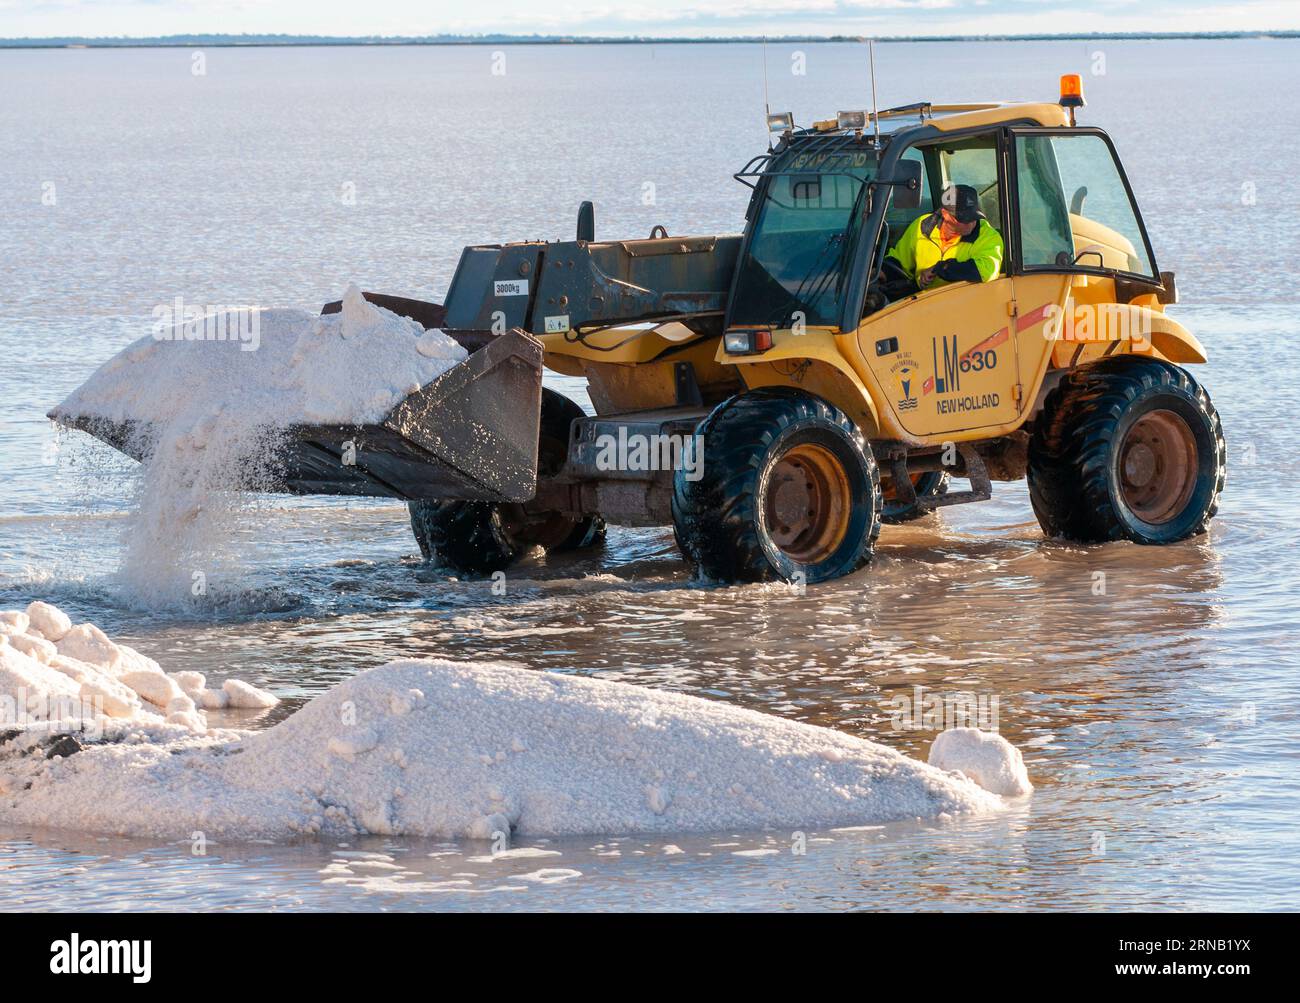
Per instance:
(473,538)
(1127,449)
(480,538)
(789,490)
(930,484)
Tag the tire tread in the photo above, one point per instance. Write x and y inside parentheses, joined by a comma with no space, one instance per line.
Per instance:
(1070,449)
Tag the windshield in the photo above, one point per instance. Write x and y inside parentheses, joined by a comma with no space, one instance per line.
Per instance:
(801,245)
(1075,208)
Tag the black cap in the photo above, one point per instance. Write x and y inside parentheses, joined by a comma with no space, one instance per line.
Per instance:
(962,201)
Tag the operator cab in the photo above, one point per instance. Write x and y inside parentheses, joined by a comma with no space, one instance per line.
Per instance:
(831,200)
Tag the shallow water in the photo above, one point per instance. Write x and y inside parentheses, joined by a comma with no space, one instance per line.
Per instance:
(1157,718)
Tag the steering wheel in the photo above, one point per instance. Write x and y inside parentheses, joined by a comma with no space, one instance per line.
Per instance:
(894,283)
(891,271)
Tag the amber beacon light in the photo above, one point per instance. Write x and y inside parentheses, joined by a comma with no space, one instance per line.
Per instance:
(1072,93)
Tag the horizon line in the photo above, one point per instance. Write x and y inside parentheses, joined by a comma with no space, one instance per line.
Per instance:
(283,39)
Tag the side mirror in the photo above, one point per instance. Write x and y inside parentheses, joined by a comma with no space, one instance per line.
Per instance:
(907,184)
(1168,295)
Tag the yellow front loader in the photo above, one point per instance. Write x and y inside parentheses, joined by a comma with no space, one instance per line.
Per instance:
(789,417)
(776,394)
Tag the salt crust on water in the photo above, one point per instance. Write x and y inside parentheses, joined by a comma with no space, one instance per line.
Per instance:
(211,416)
(447,749)
(988,759)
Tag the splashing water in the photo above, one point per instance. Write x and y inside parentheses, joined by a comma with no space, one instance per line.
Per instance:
(196,489)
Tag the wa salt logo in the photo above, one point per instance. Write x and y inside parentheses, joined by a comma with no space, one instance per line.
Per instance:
(181,321)
(103,957)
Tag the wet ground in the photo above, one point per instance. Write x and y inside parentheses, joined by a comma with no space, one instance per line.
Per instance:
(1150,689)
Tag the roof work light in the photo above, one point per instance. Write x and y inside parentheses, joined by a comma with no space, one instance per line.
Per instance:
(782,121)
(855,120)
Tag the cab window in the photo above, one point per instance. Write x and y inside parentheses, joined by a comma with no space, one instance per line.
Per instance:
(1074,208)
(971,162)
(974,162)
(801,242)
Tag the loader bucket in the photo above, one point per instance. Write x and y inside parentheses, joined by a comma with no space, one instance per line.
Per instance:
(470,434)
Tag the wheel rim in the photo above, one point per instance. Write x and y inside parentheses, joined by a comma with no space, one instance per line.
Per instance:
(808,503)
(541,529)
(1157,466)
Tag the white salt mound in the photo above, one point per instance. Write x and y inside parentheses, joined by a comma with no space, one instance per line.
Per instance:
(88,683)
(212,415)
(87,643)
(241,694)
(984,757)
(445,749)
(15,619)
(51,621)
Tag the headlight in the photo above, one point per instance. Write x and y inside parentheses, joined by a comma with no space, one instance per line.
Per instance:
(747,342)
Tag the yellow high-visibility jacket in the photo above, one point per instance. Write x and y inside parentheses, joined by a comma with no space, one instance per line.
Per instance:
(977,257)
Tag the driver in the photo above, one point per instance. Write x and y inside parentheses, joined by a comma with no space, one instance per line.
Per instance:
(955,244)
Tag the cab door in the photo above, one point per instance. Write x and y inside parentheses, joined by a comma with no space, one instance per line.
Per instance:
(946,357)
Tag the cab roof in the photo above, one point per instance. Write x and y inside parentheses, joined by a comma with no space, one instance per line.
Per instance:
(907,123)
(945,117)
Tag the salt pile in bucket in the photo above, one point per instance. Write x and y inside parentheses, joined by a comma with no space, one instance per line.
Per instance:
(351,366)
(212,413)
(446,749)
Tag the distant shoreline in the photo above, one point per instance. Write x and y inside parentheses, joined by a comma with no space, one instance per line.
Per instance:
(307,41)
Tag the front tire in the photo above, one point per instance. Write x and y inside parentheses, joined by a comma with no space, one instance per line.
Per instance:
(479,538)
(1127,450)
(789,490)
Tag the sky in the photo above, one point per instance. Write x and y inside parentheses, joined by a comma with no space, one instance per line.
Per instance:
(661,18)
